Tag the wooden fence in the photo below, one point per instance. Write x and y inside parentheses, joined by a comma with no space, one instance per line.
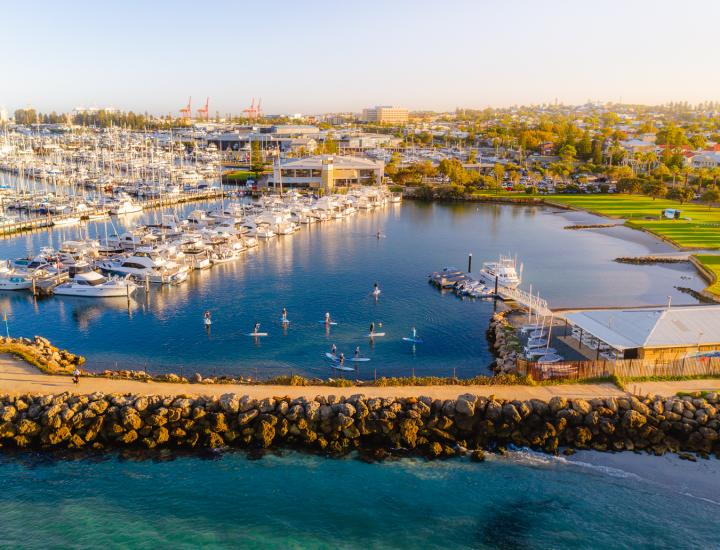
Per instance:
(626,368)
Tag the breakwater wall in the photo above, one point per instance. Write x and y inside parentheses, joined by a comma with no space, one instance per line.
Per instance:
(39,352)
(375,426)
(504,344)
(650,260)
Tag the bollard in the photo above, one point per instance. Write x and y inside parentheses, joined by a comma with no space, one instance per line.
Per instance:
(470,263)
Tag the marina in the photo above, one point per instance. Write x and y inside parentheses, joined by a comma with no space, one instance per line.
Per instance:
(163,330)
(359,299)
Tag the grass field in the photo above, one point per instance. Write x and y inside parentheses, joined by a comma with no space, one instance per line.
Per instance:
(702,230)
(239,175)
(711,263)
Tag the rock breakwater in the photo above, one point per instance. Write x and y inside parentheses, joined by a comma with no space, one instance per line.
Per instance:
(592,226)
(650,260)
(42,354)
(504,343)
(375,426)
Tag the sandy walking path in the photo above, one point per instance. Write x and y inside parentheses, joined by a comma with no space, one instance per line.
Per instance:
(17,377)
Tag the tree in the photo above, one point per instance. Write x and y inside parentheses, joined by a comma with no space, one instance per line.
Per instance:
(257,164)
(585,147)
(661,172)
(710,196)
(454,171)
(698,141)
(655,189)
(629,185)
(392,167)
(597,151)
(680,194)
(499,173)
(26,116)
(568,154)
(472,157)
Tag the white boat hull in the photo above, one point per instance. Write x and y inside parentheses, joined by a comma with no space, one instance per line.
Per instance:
(100,291)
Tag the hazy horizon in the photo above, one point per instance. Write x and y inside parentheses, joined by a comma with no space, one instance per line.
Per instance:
(322,57)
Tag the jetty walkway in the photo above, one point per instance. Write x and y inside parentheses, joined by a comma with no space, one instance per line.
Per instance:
(17,377)
(10,229)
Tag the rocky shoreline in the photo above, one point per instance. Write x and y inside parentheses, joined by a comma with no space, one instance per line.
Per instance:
(376,427)
(40,353)
(650,260)
(592,226)
(504,344)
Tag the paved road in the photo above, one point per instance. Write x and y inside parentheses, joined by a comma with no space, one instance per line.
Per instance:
(16,377)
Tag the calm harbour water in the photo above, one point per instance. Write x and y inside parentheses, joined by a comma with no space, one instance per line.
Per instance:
(295,501)
(332,267)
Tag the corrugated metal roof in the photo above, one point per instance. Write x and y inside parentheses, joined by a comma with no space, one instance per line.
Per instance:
(651,328)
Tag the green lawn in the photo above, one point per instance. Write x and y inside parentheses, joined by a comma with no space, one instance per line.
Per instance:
(712,263)
(701,231)
(239,175)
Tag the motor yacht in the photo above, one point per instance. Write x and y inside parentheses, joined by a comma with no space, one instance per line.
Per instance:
(12,280)
(126,206)
(84,281)
(504,271)
(146,265)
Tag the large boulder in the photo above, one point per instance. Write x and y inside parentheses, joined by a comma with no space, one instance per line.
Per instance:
(465,404)
(230,403)
(633,420)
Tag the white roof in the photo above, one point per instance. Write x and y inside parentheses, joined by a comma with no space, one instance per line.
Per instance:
(316,162)
(651,327)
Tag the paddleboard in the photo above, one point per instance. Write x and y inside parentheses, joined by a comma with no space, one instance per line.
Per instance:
(343,367)
(413,340)
(333,323)
(257,333)
(359,359)
(331,356)
(373,334)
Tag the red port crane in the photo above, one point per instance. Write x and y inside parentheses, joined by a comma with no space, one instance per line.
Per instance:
(253,112)
(187,110)
(203,111)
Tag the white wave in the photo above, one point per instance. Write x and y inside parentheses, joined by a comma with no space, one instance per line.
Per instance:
(704,499)
(534,458)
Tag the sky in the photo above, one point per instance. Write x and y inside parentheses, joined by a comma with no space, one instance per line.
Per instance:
(316,56)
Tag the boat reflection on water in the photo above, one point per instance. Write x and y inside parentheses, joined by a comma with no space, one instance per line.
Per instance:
(84,312)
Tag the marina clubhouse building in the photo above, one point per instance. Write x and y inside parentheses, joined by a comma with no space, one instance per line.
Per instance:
(327,172)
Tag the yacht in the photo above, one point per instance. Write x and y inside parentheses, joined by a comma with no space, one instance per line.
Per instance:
(144,265)
(12,280)
(84,281)
(126,206)
(504,271)
(72,220)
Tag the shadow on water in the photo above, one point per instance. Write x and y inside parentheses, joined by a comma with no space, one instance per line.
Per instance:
(511,526)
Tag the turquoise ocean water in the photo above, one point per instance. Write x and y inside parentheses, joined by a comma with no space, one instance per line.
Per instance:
(298,501)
